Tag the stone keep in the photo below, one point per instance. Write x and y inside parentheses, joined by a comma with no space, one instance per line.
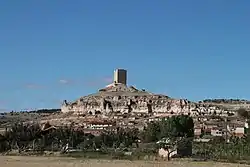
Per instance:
(120,76)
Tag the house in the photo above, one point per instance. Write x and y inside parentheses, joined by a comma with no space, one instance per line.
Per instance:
(239,131)
(216,132)
(182,147)
(220,132)
(93,132)
(99,124)
(118,117)
(131,118)
(197,132)
(164,153)
(131,123)
(202,140)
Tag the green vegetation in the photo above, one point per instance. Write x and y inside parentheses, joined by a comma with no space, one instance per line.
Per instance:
(9,118)
(228,101)
(235,151)
(173,134)
(243,113)
(53,110)
(172,127)
(23,137)
(31,137)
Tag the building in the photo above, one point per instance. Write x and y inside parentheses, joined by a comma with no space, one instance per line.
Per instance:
(218,132)
(239,131)
(99,124)
(120,76)
(197,132)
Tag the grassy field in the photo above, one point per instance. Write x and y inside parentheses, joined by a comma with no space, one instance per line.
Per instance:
(17,161)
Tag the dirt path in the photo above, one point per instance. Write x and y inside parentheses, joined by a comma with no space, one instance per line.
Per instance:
(16,161)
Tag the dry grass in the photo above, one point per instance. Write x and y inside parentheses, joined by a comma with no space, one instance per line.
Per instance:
(16,161)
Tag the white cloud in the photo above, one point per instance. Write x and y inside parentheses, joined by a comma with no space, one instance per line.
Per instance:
(64,81)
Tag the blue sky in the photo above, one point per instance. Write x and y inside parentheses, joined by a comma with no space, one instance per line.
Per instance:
(56,50)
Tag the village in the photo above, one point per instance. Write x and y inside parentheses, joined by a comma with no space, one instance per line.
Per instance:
(118,109)
(118,105)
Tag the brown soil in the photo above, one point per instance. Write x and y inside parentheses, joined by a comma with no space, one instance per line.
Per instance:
(17,161)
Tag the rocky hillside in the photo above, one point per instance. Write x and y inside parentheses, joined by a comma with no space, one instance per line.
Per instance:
(228,104)
(118,98)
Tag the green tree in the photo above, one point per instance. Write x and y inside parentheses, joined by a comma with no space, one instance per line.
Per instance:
(177,126)
(151,133)
(174,132)
(172,127)
(243,113)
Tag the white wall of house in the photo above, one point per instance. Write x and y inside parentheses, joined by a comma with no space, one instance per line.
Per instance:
(240,130)
(164,153)
(216,132)
(98,126)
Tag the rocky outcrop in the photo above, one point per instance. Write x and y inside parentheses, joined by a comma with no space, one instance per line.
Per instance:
(118,98)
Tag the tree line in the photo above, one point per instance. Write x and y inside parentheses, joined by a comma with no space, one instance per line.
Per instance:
(228,101)
(173,133)
(23,137)
(33,137)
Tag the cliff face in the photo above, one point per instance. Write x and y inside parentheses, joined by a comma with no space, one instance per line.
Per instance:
(118,98)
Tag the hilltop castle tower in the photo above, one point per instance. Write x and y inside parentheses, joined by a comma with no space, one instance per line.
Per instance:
(120,76)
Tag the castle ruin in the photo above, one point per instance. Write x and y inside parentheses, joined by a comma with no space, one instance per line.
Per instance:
(117,97)
(120,76)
